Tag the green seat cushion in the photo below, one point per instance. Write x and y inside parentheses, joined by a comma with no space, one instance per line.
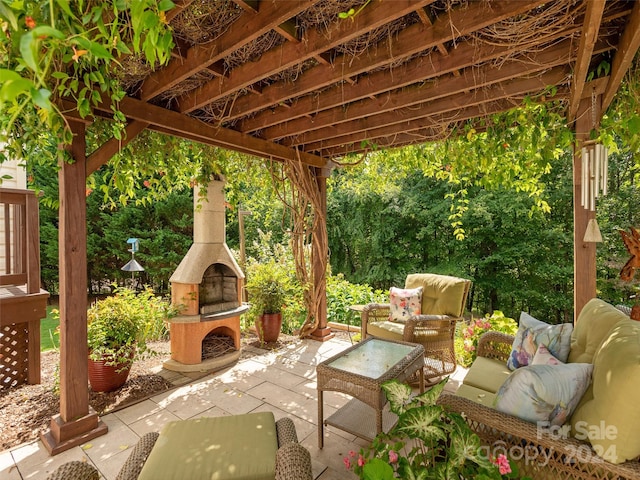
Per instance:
(609,415)
(487,374)
(387,330)
(441,294)
(477,395)
(596,318)
(238,447)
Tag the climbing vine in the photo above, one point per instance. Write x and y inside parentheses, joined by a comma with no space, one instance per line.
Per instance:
(297,188)
(57,51)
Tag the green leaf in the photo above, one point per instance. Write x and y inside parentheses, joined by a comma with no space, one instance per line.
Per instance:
(47,31)
(12,89)
(64,5)
(377,469)
(7,13)
(29,50)
(165,5)
(634,124)
(99,51)
(41,98)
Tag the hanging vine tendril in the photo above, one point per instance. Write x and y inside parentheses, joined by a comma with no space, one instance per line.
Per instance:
(297,187)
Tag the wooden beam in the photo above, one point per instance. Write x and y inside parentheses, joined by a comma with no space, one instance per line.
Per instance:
(180,5)
(627,49)
(184,126)
(410,41)
(289,54)
(592,20)
(386,135)
(504,87)
(517,66)
(108,149)
(249,27)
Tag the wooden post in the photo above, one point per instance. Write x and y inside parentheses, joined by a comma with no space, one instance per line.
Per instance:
(320,251)
(76,423)
(584,253)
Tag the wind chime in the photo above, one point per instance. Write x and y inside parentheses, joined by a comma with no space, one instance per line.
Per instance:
(595,167)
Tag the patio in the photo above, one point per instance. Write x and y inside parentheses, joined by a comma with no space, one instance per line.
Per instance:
(281,381)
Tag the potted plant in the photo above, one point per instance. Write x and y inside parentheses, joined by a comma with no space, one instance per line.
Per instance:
(428,442)
(267,286)
(118,328)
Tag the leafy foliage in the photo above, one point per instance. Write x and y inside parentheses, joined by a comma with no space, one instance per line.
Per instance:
(71,50)
(466,349)
(428,442)
(126,320)
(342,294)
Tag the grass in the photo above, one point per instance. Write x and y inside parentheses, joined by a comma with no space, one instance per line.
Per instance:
(48,339)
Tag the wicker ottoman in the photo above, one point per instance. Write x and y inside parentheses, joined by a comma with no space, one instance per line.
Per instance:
(235,447)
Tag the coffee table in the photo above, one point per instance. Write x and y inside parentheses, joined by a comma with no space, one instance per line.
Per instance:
(360,371)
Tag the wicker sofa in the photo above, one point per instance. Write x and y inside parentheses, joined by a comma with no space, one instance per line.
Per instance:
(189,449)
(606,419)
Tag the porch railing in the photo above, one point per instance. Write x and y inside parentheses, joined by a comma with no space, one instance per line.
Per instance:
(22,302)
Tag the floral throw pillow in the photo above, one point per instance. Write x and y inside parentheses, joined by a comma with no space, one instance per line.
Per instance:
(544,393)
(544,357)
(532,333)
(404,302)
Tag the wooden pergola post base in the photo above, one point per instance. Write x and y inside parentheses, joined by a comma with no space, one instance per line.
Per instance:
(65,435)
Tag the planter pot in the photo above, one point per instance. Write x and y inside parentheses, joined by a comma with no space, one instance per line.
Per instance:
(268,326)
(106,378)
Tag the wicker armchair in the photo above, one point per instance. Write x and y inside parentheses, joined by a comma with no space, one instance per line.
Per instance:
(293,461)
(544,456)
(443,303)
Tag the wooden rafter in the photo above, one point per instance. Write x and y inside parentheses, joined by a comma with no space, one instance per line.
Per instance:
(414,39)
(516,66)
(592,20)
(627,48)
(421,114)
(290,54)
(180,6)
(201,56)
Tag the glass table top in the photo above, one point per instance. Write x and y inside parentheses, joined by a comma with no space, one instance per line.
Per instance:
(372,358)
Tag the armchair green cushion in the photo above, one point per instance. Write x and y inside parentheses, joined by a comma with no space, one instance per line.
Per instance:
(441,294)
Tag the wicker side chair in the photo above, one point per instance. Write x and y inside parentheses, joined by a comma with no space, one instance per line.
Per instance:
(293,461)
(443,303)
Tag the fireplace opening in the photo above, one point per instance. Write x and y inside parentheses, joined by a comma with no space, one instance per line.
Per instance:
(218,290)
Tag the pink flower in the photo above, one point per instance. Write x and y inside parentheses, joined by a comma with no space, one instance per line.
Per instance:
(393,456)
(361,461)
(352,453)
(347,462)
(503,464)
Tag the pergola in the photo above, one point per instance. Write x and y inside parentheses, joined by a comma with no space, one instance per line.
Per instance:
(295,81)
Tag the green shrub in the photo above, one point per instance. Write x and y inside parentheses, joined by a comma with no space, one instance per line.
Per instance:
(467,336)
(120,321)
(341,294)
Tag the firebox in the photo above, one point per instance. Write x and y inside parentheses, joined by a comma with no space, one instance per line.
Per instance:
(207,288)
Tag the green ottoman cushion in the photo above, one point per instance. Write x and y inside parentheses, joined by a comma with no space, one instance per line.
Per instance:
(238,447)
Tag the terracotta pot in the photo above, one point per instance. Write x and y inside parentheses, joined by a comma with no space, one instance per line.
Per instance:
(268,326)
(106,378)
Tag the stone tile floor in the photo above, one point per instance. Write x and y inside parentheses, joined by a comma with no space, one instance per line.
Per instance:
(281,381)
